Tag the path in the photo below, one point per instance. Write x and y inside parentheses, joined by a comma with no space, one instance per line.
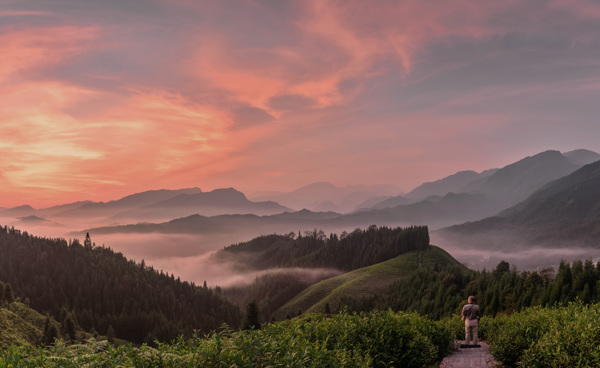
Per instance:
(470,358)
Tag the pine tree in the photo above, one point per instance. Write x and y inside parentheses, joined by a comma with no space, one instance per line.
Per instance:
(50,331)
(69,327)
(252,319)
(88,241)
(8,296)
(110,334)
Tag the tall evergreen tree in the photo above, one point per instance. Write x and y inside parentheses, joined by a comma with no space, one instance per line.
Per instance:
(252,318)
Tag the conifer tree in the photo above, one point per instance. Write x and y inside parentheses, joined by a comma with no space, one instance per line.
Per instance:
(50,331)
(8,296)
(252,319)
(69,327)
(110,334)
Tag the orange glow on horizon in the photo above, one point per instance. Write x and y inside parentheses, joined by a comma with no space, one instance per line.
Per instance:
(101,102)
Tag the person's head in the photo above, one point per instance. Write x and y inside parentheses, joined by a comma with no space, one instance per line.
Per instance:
(471,299)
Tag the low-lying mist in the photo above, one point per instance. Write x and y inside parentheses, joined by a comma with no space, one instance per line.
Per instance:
(524,257)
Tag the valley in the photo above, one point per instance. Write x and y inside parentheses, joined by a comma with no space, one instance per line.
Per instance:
(519,237)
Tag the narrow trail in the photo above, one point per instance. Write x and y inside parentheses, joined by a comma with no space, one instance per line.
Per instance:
(470,358)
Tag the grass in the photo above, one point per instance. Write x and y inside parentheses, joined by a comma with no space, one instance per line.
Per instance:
(20,325)
(363,282)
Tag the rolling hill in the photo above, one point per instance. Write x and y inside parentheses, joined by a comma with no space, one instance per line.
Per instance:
(364,282)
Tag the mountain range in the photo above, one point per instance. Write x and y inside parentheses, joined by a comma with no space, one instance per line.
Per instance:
(486,195)
(324,196)
(565,212)
(476,200)
(155,205)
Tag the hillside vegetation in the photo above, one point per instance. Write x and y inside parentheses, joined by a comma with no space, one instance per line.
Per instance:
(347,252)
(103,290)
(340,291)
(548,337)
(20,325)
(376,339)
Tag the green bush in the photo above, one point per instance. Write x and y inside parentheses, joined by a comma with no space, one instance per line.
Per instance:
(375,339)
(548,337)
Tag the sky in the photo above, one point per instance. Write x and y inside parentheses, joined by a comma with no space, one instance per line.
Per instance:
(101,99)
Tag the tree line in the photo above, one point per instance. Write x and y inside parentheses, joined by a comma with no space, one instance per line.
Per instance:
(346,252)
(105,292)
(439,291)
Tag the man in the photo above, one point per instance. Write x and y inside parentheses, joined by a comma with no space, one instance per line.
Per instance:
(470,314)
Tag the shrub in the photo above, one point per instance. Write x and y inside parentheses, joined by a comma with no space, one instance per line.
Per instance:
(548,337)
(375,339)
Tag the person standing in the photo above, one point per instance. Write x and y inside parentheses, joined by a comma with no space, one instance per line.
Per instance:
(471,314)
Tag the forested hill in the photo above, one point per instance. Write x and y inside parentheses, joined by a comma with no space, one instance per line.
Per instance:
(102,289)
(347,252)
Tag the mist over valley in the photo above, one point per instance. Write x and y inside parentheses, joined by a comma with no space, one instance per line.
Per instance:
(509,213)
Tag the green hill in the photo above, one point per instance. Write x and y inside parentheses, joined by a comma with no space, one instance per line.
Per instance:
(365,282)
(20,325)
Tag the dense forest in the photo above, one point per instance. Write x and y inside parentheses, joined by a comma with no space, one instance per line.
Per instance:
(315,249)
(103,291)
(438,292)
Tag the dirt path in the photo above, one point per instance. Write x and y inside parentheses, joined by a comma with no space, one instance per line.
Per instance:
(470,358)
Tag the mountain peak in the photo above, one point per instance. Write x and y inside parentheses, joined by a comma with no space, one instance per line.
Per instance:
(582,156)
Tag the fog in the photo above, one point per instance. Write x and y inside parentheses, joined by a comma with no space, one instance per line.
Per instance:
(525,257)
(190,256)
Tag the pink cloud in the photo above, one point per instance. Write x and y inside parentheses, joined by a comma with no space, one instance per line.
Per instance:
(27,50)
(271,95)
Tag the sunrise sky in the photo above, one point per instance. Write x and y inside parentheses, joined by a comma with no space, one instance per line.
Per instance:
(101,99)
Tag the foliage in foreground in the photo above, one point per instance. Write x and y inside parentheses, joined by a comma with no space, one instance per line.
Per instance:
(376,339)
(548,337)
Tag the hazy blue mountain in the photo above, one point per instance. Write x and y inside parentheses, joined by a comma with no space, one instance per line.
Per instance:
(32,219)
(582,157)
(450,184)
(450,201)
(515,182)
(392,202)
(19,211)
(327,206)
(313,196)
(54,210)
(216,202)
(163,205)
(435,212)
(369,203)
(103,209)
(565,212)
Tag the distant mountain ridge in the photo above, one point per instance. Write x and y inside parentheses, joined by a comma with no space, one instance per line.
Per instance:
(565,212)
(487,196)
(450,184)
(469,196)
(323,196)
(154,205)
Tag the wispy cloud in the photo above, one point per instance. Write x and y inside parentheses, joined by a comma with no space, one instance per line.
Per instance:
(135,95)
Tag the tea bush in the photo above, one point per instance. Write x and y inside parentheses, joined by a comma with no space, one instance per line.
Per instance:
(548,337)
(375,339)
